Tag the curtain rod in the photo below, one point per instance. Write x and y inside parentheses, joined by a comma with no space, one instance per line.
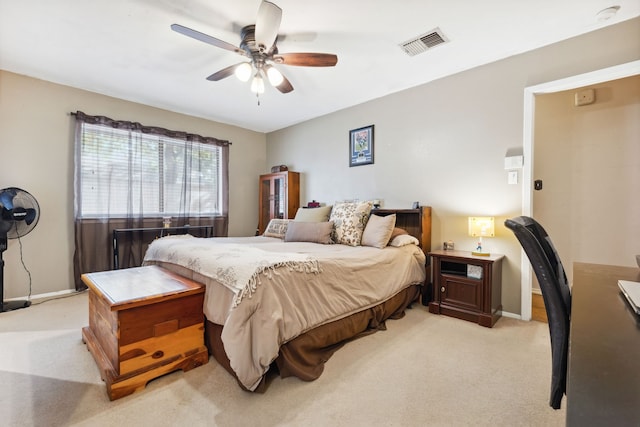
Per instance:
(75,113)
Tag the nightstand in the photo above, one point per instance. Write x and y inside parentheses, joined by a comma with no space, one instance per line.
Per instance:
(466,286)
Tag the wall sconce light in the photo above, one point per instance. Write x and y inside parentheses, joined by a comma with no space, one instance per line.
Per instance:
(481,226)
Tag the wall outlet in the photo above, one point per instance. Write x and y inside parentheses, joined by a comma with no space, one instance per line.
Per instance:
(585,97)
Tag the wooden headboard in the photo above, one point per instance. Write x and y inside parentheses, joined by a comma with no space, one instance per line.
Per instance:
(418,223)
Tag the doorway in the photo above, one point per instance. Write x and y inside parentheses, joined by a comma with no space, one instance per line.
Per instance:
(592,78)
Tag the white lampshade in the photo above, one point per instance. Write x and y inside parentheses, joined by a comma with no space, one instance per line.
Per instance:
(257,84)
(481,226)
(275,77)
(243,72)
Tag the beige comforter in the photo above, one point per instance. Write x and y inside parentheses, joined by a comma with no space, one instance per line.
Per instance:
(289,301)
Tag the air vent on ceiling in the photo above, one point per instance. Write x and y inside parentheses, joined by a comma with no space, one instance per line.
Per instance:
(424,42)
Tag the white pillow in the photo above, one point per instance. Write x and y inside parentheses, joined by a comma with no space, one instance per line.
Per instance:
(314,232)
(403,240)
(378,230)
(320,214)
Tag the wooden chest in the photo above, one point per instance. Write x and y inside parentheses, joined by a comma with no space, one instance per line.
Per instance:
(143,322)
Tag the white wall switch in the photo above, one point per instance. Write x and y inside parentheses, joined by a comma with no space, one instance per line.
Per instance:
(513,177)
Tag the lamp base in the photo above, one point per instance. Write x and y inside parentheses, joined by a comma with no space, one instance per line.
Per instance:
(474,253)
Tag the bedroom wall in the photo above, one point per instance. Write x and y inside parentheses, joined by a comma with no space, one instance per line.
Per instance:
(575,148)
(443,144)
(36,154)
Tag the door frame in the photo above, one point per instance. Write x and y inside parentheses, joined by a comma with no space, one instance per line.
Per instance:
(595,77)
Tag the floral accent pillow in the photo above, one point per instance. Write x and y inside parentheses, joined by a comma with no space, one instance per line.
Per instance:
(276,228)
(349,220)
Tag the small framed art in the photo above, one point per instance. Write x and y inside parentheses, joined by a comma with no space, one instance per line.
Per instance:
(361,146)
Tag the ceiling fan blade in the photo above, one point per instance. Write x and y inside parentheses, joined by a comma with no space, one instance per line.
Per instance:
(206,38)
(225,72)
(307,59)
(285,86)
(267,24)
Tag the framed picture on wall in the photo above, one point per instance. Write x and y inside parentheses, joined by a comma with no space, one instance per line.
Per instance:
(361,146)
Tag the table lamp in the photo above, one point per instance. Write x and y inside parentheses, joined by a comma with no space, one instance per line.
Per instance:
(481,226)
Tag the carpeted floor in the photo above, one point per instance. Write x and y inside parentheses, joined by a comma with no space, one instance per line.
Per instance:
(424,370)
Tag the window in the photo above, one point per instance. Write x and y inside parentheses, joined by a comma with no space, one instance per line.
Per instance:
(130,176)
(128,170)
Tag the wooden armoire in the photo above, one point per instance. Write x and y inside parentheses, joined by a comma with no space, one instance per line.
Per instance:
(279,197)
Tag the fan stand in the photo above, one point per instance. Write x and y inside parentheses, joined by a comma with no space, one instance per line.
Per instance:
(9,305)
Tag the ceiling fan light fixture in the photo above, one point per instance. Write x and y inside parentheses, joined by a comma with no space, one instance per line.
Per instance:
(275,76)
(243,72)
(258,47)
(257,84)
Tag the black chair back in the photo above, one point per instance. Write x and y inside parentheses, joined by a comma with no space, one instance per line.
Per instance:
(556,294)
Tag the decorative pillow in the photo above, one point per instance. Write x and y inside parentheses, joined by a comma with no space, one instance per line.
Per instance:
(349,221)
(320,214)
(378,230)
(276,228)
(404,239)
(396,232)
(314,232)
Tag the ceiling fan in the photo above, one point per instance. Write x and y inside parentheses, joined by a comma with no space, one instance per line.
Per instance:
(258,45)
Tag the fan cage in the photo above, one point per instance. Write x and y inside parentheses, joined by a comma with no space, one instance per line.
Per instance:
(20,212)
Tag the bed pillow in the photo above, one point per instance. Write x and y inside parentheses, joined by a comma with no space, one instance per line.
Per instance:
(314,232)
(403,240)
(396,232)
(378,230)
(349,221)
(320,214)
(276,228)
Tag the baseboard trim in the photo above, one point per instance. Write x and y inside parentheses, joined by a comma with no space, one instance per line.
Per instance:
(68,292)
(48,295)
(511,315)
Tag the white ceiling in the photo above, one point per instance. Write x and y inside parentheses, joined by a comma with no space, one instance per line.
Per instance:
(125,48)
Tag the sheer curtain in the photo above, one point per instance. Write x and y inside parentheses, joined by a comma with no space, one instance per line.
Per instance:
(128,175)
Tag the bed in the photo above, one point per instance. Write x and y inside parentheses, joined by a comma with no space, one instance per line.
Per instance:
(277,305)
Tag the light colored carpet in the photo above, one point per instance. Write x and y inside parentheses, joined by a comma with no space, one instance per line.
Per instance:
(424,370)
